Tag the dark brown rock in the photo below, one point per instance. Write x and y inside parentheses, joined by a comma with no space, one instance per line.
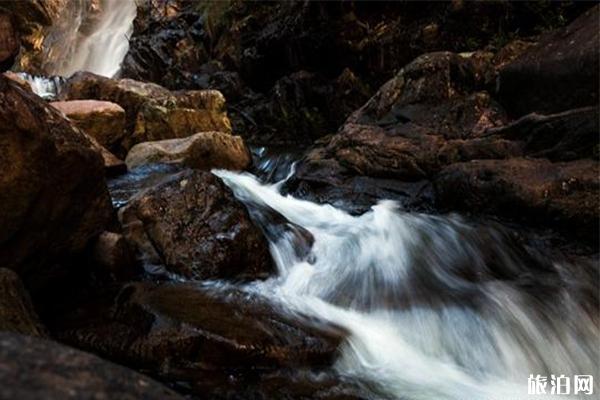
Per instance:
(565,136)
(300,108)
(440,92)
(209,336)
(16,311)
(557,74)
(433,113)
(194,225)
(114,257)
(563,194)
(9,41)
(279,64)
(53,196)
(32,368)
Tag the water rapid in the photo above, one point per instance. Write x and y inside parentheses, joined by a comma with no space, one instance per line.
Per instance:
(436,307)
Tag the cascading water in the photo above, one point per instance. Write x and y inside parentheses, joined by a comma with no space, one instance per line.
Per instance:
(100,51)
(46,88)
(87,38)
(436,308)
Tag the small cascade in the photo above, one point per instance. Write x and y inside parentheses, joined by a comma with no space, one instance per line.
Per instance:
(46,88)
(437,308)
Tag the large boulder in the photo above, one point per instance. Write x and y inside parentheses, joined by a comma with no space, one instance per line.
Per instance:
(33,368)
(16,310)
(204,150)
(203,336)
(443,93)
(9,41)
(53,195)
(434,112)
(102,120)
(195,227)
(559,73)
(563,194)
(152,112)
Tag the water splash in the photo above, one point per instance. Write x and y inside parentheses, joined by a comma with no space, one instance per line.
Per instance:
(46,88)
(436,307)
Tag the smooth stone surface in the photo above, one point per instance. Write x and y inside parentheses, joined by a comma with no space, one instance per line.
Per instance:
(204,150)
(102,120)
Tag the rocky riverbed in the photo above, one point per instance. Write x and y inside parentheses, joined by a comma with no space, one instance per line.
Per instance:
(297,200)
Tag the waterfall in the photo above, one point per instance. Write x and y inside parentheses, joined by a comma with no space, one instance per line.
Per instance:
(436,307)
(99,48)
(90,36)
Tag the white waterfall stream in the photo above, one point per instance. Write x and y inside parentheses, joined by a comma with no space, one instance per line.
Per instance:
(73,46)
(436,308)
(104,48)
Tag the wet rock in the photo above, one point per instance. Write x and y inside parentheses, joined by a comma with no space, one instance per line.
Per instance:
(53,196)
(124,187)
(153,112)
(443,93)
(295,384)
(563,194)
(510,51)
(16,311)
(204,150)
(557,74)
(32,368)
(169,52)
(204,335)
(193,225)
(279,64)
(102,120)
(565,136)
(433,113)
(9,41)
(114,257)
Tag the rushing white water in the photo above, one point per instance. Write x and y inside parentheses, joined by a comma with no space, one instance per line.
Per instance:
(100,51)
(436,308)
(85,39)
(46,88)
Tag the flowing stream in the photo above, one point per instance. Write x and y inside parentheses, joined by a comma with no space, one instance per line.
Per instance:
(436,307)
